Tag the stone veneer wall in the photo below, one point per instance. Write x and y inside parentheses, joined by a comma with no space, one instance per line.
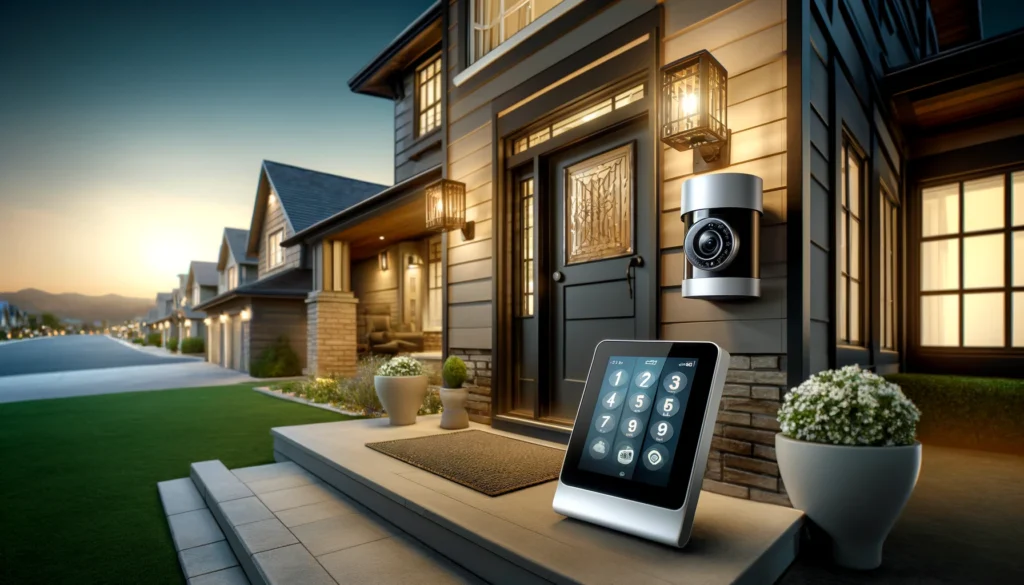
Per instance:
(331,333)
(478,370)
(432,341)
(742,458)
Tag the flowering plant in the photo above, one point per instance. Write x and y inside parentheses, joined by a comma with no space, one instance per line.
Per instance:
(849,406)
(401,366)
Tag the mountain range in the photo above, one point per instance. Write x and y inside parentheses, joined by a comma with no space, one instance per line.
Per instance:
(109,308)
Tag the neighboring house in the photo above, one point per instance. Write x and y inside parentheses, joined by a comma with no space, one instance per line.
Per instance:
(163,321)
(244,319)
(11,317)
(200,286)
(891,236)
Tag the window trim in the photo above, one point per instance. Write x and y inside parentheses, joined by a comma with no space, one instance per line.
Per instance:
(887,198)
(849,145)
(275,254)
(439,103)
(428,313)
(474,67)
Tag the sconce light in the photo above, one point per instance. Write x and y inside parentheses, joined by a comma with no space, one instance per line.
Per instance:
(246,314)
(382,259)
(271,199)
(223,318)
(207,321)
(694,99)
(446,208)
(188,322)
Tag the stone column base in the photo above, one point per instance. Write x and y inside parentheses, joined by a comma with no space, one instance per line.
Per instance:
(331,333)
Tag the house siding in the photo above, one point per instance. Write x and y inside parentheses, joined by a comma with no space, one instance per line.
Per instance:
(274,220)
(413,154)
(273,318)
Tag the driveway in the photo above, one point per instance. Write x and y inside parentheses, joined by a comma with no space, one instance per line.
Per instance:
(46,368)
(73,353)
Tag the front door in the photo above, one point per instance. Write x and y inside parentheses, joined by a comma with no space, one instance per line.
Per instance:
(596,214)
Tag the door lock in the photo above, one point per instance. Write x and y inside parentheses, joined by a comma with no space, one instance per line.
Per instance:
(558,276)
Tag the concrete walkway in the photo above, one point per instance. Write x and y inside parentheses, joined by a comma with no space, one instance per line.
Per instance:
(188,374)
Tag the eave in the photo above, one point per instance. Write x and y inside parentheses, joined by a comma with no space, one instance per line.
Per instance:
(422,35)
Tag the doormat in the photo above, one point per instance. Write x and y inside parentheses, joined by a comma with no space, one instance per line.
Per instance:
(488,463)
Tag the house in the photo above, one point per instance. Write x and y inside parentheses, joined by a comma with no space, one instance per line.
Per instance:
(889,239)
(201,285)
(163,321)
(11,319)
(247,317)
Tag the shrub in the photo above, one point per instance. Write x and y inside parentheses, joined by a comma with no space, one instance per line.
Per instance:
(276,361)
(153,339)
(431,403)
(138,341)
(193,345)
(358,391)
(172,344)
(966,411)
(401,366)
(453,372)
(849,406)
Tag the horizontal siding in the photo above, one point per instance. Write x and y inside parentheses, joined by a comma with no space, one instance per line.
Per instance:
(737,336)
(272,318)
(275,220)
(471,315)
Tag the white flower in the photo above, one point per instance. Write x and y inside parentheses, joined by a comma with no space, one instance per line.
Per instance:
(401,366)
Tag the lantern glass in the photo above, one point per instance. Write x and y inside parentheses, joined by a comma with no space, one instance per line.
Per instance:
(694,99)
(446,205)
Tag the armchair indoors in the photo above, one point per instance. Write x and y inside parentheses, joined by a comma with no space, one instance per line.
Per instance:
(381,338)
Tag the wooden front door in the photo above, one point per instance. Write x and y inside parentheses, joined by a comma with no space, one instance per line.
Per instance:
(586,276)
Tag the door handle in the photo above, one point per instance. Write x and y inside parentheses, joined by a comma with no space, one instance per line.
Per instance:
(558,276)
(633,262)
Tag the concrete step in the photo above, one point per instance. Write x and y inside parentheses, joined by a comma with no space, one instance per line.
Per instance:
(204,554)
(286,527)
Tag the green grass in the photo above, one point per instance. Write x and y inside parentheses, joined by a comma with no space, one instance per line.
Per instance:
(78,497)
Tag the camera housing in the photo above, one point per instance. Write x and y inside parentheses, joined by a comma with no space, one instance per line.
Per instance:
(722,217)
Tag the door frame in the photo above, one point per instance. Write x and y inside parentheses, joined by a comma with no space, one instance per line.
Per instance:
(640,61)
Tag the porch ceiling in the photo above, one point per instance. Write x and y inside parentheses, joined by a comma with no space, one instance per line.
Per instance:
(405,222)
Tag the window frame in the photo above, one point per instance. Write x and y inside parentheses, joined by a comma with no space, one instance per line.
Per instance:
(275,254)
(438,78)
(889,201)
(431,261)
(849,147)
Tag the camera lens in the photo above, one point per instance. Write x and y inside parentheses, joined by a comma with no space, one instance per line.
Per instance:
(709,244)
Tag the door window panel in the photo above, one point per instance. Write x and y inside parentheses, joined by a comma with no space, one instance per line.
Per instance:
(527,294)
(599,207)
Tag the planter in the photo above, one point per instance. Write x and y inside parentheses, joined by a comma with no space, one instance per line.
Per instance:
(401,397)
(454,415)
(855,494)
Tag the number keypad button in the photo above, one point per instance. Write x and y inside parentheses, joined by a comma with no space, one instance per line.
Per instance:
(645,379)
(674,382)
(606,422)
(632,426)
(662,431)
(638,402)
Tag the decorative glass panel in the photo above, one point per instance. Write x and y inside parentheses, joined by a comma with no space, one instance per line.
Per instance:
(599,207)
(984,204)
(578,118)
(526,255)
(940,210)
(984,261)
(984,320)
(940,265)
(940,320)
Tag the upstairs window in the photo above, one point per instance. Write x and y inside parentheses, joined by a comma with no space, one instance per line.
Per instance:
(232,278)
(428,97)
(275,253)
(495,21)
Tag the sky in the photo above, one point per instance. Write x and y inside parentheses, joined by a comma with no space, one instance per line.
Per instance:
(131,133)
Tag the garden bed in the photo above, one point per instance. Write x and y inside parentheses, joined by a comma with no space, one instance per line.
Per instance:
(967,412)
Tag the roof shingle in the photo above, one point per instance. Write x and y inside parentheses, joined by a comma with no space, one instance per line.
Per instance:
(310,196)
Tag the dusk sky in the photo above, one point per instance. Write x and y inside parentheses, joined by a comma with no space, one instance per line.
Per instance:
(131,133)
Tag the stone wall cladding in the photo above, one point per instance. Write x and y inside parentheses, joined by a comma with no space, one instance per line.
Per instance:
(742,458)
(431,341)
(478,372)
(331,333)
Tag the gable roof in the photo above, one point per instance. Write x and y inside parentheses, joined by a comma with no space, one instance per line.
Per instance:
(234,242)
(202,273)
(306,196)
(294,283)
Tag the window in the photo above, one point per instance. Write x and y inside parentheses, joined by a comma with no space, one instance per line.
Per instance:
(428,97)
(526,274)
(496,21)
(196,296)
(578,118)
(972,263)
(232,278)
(850,293)
(889,269)
(435,280)
(275,253)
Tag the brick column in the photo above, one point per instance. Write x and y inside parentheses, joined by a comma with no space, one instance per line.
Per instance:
(331,333)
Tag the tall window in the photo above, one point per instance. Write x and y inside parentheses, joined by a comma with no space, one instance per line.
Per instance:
(275,253)
(435,280)
(495,21)
(971,296)
(851,248)
(889,269)
(232,278)
(526,272)
(428,97)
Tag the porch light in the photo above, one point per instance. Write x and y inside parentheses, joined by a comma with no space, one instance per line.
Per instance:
(188,322)
(246,314)
(223,318)
(206,321)
(382,259)
(694,98)
(446,208)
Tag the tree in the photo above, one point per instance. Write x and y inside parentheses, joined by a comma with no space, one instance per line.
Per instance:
(33,322)
(50,320)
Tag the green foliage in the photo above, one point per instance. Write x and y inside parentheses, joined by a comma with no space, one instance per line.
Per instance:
(193,345)
(453,372)
(432,402)
(172,344)
(153,339)
(276,361)
(966,411)
(138,341)
(400,366)
(50,320)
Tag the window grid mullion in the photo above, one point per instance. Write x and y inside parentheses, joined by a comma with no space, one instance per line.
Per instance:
(960,320)
(1008,260)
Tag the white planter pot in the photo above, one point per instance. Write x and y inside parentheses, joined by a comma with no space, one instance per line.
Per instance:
(401,397)
(855,494)
(454,415)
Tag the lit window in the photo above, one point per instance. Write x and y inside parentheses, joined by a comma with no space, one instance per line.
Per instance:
(851,248)
(890,270)
(526,274)
(232,277)
(275,253)
(495,21)
(428,97)
(578,118)
(970,295)
(434,283)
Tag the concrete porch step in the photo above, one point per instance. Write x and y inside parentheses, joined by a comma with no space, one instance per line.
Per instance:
(286,527)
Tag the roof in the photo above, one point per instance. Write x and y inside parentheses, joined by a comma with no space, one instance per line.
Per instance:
(309,196)
(294,283)
(410,44)
(237,240)
(202,273)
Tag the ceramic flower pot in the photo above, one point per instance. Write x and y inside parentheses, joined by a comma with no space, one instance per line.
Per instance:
(853,493)
(401,397)
(454,415)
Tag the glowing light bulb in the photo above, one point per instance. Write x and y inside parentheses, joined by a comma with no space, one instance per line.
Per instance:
(690,104)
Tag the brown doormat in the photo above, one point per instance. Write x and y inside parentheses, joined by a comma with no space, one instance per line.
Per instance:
(488,463)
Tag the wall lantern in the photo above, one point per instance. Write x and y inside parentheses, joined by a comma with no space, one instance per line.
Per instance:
(188,322)
(382,258)
(223,318)
(207,321)
(446,208)
(246,314)
(694,98)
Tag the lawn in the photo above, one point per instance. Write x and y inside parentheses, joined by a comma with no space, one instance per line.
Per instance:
(78,497)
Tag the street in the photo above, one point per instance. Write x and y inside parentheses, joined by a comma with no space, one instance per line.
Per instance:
(73,352)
